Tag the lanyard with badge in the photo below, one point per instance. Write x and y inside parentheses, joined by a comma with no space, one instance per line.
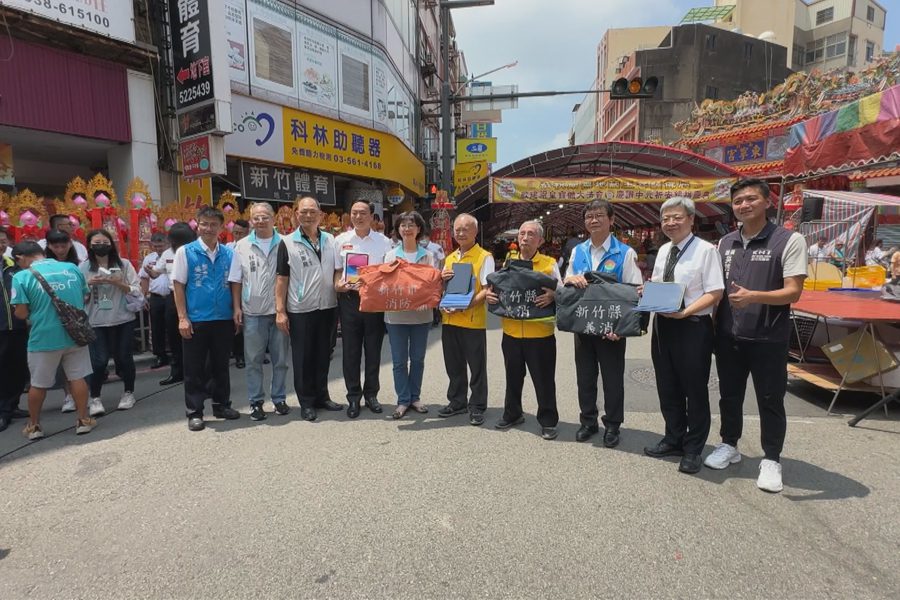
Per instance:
(104,302)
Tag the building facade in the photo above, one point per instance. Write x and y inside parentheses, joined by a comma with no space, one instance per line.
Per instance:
(693,63)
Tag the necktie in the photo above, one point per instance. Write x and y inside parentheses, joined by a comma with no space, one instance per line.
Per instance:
(671,261)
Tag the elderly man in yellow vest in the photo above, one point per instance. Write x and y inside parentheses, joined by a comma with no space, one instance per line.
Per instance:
(464,335)
(531,343)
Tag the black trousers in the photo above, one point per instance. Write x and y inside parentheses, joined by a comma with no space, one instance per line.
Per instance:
(682,354)
(237,345)
(766,363)
(596,355)
(311,354)
(464,348)
(175,340)
(206,366)
(362,335)
(158,325)
(539,356)
(14,365)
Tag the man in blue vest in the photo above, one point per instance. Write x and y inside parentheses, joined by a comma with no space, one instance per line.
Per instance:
(594,355)
(205,318)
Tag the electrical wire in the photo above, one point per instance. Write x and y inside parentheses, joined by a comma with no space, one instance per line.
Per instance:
(12,46)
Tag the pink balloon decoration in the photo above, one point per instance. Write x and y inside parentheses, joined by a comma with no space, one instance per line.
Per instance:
(79,201)
(4,218)
(229,226)
(102,200)
(138,201)
(228,208)
(28,218)
(74,221)
(169,223)
(193,224)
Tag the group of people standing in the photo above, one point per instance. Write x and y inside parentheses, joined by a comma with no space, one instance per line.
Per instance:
(284,292)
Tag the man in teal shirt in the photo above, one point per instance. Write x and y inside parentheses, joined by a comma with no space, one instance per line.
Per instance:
(49,346)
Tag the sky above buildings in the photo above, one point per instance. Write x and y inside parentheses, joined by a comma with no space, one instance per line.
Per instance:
(555,42)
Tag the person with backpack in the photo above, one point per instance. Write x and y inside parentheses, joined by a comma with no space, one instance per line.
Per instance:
(49,342)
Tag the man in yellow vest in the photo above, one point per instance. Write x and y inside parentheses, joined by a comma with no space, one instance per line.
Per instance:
(464,335)
(531,343)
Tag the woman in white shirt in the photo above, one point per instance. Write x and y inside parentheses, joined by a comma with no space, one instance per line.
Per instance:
(408,329)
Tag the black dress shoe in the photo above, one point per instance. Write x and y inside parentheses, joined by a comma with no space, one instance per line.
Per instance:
(196,424)
(549,433)
(611,437)
(18,413)
(282,408)
(374,405)
(308,414)
(159,363)
(450,410)
(225,412)
(503,424)
(353,409)
(586,432)
(476,419)
(239,363)
(4,423)
(171,380)
(330,405)
(663,448)
(690,464)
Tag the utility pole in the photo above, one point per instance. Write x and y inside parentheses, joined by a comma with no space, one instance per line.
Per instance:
(447,126)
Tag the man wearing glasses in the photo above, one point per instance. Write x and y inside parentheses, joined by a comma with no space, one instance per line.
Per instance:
(603,253)
(252,279)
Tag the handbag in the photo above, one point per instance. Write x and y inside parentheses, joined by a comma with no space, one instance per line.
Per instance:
(399,285)
(603,307)
(517,285)
(74,320)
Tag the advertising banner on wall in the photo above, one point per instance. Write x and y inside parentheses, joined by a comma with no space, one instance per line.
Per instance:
(318,62)
(202,156)
(236,39)
(256,130)
(613,189)
(272,33)
(465,174)
(270,183)
(476,150)
(110,18)
(315,141)
(356,76)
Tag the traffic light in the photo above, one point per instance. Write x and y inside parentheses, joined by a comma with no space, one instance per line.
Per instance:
(636,87)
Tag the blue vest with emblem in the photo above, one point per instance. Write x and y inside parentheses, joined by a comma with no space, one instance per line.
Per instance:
(207,291)
(611,263)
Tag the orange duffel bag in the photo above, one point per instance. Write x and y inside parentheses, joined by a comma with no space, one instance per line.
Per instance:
(399,285)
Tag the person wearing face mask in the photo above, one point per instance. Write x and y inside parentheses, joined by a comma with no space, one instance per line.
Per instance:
(111,279)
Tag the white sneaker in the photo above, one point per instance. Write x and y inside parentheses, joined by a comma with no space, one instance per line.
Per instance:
(68,404)
(722,456)
(769,479)
(95,407)
(127,401)
(83,426)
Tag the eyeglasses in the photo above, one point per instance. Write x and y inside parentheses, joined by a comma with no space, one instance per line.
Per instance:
(595,217)
(674,219)
(261,218)
(308,211)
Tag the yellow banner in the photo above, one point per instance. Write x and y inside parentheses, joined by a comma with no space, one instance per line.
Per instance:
(194,192)
(318,142)
(465,174)
(613,189)
(476,150)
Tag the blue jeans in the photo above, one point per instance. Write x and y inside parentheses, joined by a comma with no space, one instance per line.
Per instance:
(259,333)
(408,343)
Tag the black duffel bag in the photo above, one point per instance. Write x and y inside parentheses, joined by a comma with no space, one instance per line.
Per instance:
(604,306)
(518,286)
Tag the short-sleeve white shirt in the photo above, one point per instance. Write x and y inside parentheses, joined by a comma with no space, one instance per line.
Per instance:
(180,272)
(630,271)
(159,284)
(375,245)
(699,269)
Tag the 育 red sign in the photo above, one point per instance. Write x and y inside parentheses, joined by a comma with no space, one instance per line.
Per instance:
(195,157)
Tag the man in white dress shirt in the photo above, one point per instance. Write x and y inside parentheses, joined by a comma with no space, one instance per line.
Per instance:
(155,286)
(605,254)
(682,343)
(360,330)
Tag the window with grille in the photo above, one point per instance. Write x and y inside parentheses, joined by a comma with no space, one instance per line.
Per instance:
(825,15)
(870,14)
(712,92)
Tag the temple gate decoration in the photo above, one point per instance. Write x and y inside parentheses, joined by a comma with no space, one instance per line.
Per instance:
(104,212)
(27,217)
(142,220)
(284,219)
(230,208)
(440,221)
(4,209)
(75,206)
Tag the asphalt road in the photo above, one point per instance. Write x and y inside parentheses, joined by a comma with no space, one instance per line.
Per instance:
(432,508)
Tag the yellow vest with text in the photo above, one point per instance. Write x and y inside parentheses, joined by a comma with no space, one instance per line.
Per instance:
(533,328)
(475,317)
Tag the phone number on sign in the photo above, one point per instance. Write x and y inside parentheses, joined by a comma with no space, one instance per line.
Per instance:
(195,92)
(67,9)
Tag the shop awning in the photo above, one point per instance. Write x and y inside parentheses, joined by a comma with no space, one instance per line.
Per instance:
(865,132)
(604,159)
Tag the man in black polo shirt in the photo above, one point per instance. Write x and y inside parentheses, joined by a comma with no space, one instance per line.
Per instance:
(764,266)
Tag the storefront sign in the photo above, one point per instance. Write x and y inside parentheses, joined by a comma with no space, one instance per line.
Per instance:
(465,174)
(476,150)
(192,52)
(202,156)
(7,174)
(256,130)
(197,120)
(236,39)
(272,183)
(195,192)
(612,189)
(315,141)
(745,152)
(111,18)
(480,130)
